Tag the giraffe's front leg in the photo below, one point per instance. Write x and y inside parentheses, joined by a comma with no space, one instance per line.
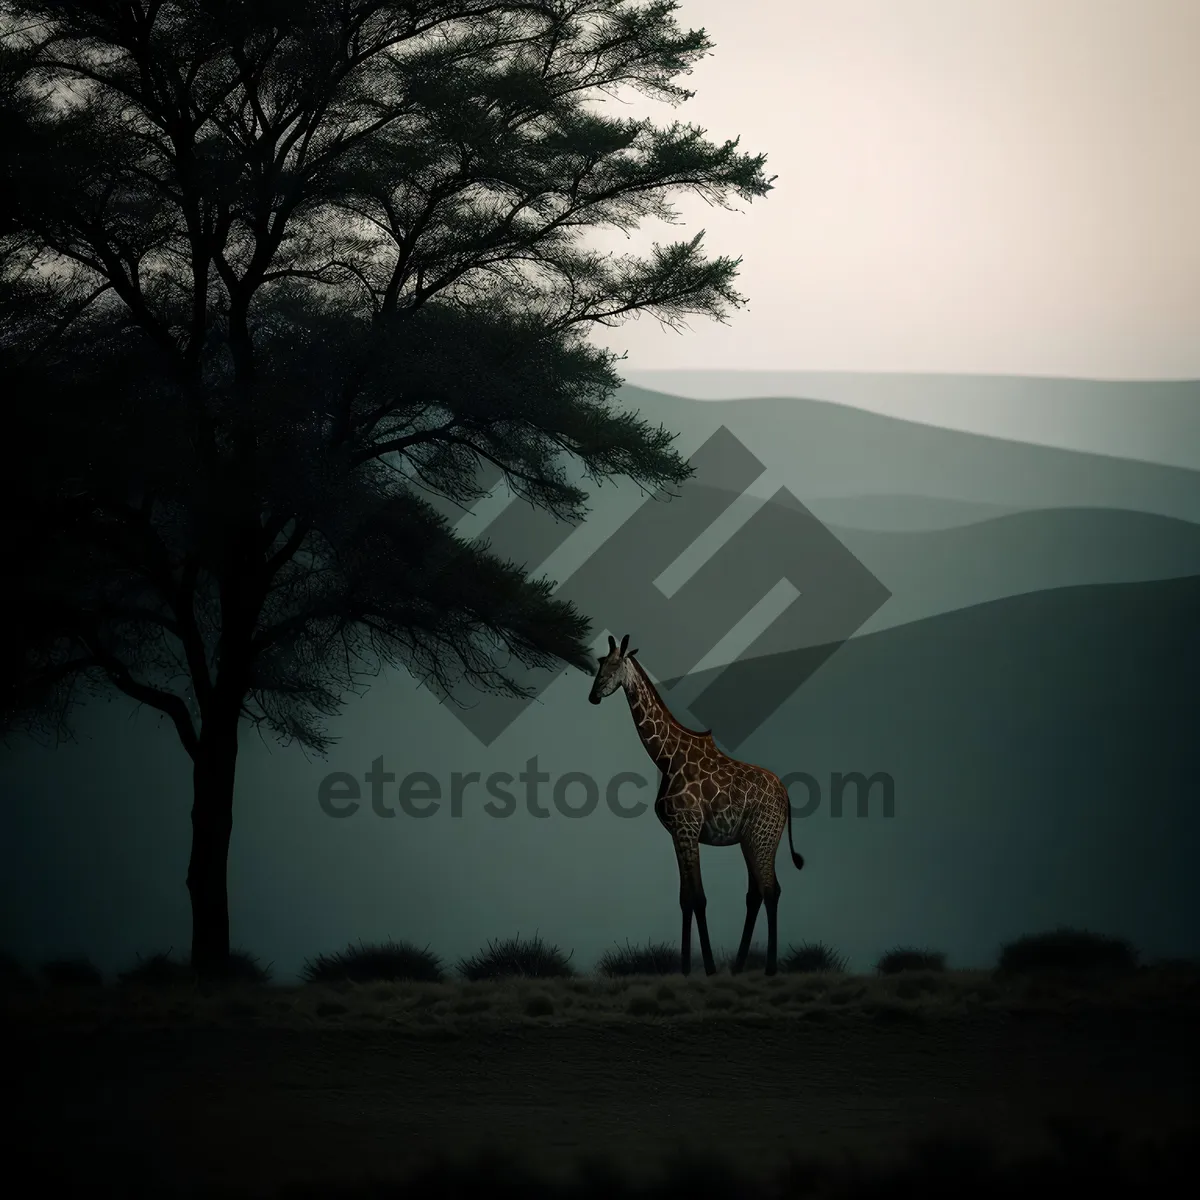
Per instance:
(692,901)
(685,905)
(685,945)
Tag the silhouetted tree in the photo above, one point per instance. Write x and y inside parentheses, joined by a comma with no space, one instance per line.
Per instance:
(273,273)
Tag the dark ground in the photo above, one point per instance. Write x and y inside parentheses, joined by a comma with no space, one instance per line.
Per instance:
(251,1109)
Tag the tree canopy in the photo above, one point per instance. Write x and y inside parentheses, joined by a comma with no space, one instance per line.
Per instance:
(273,276)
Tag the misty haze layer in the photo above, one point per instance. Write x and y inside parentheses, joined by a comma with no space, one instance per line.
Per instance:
(1028,688)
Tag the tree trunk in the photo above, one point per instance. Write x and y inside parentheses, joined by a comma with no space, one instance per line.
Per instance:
(212,822)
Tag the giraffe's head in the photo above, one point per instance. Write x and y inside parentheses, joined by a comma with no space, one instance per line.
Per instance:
(613,670)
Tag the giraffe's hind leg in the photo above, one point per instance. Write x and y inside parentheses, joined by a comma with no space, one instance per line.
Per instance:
(760,858)
(772,902)
(754,899)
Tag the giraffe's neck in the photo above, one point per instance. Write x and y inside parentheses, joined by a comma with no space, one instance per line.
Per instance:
(661,734)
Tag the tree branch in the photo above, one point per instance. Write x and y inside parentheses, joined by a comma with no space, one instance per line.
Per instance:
(165,702)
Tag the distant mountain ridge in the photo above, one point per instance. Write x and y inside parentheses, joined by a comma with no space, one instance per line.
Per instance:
(825,451)
(935,571)
(1162,615)
(941,570)
(1155,421)
(902,514)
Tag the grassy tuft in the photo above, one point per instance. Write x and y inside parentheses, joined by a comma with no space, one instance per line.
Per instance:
(158,970)
(654,958)
(908,958)
(813,956)
(530,958)
(383,962)
(241,967)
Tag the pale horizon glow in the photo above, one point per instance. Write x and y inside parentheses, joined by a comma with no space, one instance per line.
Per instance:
(982,187)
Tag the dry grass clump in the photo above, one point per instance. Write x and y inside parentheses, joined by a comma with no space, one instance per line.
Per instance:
(811,957)
(654,958)
(910,958)
(528,958)
(378,962)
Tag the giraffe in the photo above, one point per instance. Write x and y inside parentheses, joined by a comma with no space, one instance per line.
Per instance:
(705,798)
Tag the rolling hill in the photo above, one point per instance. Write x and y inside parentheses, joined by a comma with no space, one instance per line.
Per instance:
(1042,753)
(824,451)
(1154,420)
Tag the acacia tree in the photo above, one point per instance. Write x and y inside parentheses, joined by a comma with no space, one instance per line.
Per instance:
(275,273)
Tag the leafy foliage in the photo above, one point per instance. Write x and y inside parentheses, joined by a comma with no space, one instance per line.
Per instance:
(261,320)
(281,287)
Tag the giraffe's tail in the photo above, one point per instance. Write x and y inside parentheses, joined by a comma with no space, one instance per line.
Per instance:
(797,859)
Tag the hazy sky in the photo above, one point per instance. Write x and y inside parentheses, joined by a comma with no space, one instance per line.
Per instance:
(979,186)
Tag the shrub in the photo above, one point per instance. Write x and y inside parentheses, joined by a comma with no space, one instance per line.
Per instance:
(383,962)
(655,958)
(1066,949)
(159,970)
(531,958)
(908,958)
(242,967)
(71,972)
(813,956)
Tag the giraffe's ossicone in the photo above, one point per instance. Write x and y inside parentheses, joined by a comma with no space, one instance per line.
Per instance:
(705,798)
